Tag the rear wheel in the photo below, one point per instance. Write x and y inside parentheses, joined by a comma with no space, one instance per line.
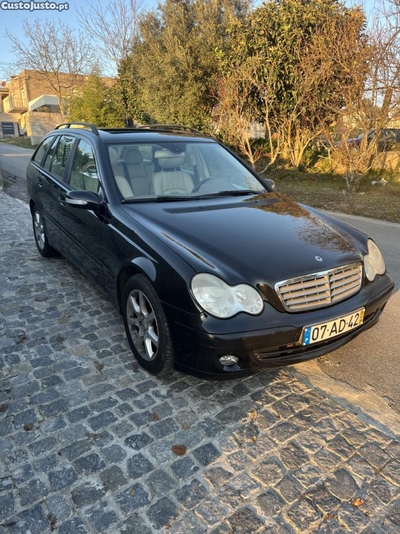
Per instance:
(146,326)
(39,231)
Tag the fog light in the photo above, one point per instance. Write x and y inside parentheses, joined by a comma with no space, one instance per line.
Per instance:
(228,359)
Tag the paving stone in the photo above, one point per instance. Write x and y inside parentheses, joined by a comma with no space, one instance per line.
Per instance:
(268,473)
(87,494)
(6,506)
(22,474)
(138,441)
(184,468)
(113,478)
(132,499)
(391,472)
(342,484)
(114,453)
(304,515)
(160,482)
(33,492)
(102,517)
(35,520)
(374,454)
(270,503)
(206,454)
(162,513)
(75,526)
(62,478)
(59,507)
(191,495)
(92,463)
(244,521)
(100,421)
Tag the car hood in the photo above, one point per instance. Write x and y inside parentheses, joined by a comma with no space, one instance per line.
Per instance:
(260,239)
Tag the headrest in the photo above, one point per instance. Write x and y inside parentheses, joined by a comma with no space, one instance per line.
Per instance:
(133,156)
(168,159)
(113,156)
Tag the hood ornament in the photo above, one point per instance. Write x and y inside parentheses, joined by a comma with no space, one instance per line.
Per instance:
(318,258)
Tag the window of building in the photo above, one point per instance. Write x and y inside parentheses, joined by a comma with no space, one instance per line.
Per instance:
(7,128)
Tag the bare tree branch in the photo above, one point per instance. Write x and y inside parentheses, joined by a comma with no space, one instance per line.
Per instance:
(57,53)
(113,27)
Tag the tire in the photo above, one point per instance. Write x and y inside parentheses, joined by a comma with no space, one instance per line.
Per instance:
(146,326)
(39,231)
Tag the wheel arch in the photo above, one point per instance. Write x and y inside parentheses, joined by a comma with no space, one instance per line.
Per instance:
(138,266)
(32,204)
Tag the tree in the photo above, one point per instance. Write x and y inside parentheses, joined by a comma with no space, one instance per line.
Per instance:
(234,113)
(173,63)
(291,99)
(370,92)
(58,54)
(96,104)
(112,27)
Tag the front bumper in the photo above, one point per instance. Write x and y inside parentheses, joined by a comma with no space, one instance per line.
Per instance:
(200,341)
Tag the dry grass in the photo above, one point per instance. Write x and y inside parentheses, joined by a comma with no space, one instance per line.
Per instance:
(328,191)
(23,142)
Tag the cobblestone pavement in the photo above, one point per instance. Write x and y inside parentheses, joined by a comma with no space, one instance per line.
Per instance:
(87,439)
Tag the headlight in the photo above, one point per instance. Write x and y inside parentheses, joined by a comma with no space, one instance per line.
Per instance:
(374,263)
(222,300)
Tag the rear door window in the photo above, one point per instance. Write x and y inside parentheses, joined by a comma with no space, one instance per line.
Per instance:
(84,175)
(50,154)
(41,151)
(61,155)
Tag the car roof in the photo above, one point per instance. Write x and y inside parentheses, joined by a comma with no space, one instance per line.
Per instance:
(150,136)
(156,133)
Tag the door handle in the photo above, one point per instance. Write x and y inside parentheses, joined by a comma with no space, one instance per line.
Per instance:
(40,182)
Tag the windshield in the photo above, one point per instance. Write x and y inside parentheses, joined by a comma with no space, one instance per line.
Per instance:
(177,171)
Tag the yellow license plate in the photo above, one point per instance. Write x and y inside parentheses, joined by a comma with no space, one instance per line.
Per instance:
(323,331)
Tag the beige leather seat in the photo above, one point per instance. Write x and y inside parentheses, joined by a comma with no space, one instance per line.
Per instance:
(122,182)
(139,173)
(171,180)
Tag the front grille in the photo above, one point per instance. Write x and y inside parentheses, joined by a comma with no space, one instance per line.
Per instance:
(320,289)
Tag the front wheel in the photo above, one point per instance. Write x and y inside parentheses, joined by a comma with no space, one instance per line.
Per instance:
(146,326)
(39,231)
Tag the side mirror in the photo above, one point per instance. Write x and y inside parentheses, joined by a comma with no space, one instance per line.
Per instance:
(82,199)
(270,183)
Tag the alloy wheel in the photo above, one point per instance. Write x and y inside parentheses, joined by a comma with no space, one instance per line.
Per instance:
(142,324)
(39,230)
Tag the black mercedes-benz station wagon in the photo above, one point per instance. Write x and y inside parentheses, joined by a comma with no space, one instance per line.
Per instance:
(213,271)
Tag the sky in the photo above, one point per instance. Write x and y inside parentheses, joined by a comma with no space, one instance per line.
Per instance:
(12,20)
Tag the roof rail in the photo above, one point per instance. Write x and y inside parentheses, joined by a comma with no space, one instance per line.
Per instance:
(168,127)
(63,125)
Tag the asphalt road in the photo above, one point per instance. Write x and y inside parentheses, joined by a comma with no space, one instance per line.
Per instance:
(371,361)
(14,159)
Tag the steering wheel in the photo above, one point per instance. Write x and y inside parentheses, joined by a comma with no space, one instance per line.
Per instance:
(203,182)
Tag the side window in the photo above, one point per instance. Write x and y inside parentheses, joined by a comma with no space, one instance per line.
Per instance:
(41,151)
(84,171)
(61,155)
(50,154)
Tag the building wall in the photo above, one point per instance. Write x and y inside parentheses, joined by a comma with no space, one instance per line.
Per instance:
(39,124)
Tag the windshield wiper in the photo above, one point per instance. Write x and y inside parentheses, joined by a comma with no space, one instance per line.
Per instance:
(231,193)
(177,198)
